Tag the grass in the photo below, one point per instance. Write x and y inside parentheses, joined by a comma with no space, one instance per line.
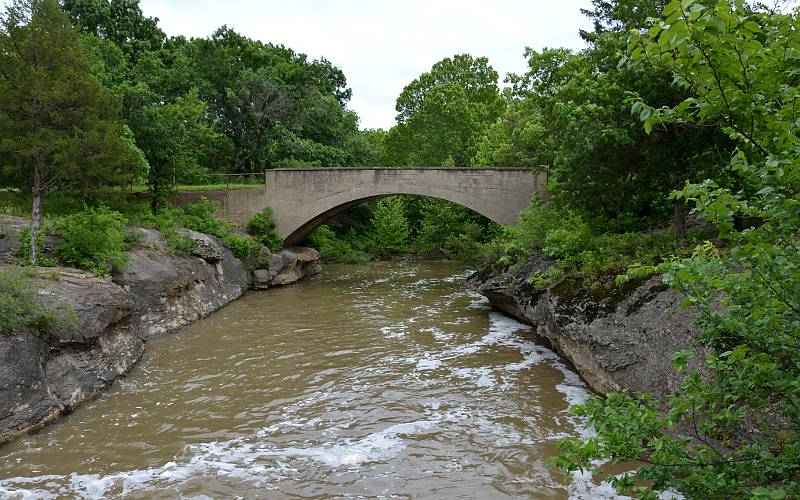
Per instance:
(201,187)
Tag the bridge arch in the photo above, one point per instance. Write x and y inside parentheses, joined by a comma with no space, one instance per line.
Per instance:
(302,199)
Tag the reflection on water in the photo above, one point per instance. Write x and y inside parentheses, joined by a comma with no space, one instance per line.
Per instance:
(389,379)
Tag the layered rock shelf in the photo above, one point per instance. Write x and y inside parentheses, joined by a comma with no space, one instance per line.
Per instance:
(45,376)
(617,337)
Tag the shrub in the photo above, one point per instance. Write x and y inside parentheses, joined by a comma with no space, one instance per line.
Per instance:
(262,228)
(200,217)
(334,249)
(241,246)
(19,308)
(544,279)
(25,248)
(391,227)
(93,240)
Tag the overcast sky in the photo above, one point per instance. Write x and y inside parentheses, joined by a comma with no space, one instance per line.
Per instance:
(381,45)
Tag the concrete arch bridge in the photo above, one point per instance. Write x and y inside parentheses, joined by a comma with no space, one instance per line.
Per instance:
(303,199)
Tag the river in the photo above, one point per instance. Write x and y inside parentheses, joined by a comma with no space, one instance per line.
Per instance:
(380,380)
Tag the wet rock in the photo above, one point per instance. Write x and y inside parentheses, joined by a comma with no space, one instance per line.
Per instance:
(287,266)
(617,338)
(26,403)
(43,376)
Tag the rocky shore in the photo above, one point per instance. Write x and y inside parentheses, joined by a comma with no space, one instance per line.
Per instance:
(617,337)
(45,376)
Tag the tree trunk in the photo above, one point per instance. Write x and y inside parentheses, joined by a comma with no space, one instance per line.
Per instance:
(680,219)
(36,213)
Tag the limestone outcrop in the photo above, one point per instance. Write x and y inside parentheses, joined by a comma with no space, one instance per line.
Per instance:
(616,337)
(159,291)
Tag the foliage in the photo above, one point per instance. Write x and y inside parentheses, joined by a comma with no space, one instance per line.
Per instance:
(561,234)
(453,230)
(262,228)
(201,217)
(735,433)
(25,248)
(332,248)
(20,309)
(170,135)
(569,114)
(120,21)
(94,240)
(544,279)
(391,226)
(442,113)
(241,246)
(59,128)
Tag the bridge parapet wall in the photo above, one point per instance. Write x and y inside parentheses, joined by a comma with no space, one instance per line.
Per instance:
(302,199)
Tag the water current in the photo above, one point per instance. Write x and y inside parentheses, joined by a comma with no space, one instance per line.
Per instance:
(388,380)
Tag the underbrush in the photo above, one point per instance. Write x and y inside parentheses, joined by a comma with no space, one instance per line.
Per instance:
(94,237)
(403,225)
(20,309)
(563,236)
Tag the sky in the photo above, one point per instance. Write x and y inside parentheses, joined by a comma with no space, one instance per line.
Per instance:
(382,45)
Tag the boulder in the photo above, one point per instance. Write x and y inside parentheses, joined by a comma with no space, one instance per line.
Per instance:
(287,266)
(43,376)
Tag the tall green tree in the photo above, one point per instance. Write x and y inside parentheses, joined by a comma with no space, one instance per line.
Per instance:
(58,127)
(392,229)
(571,111)
(444,112)
(171,136)
(120,21)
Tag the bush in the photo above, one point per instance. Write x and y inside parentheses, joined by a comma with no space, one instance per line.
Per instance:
(262,228)
(19,308)
(241,246)
(201,217)
(391,227)
(25,248)
(335,249)
(93,240)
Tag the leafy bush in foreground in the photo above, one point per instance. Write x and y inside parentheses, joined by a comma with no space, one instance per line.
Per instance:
(262,228)
(93,240)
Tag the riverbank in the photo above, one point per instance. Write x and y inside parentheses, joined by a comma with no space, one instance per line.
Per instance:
(618,337)
(44,376)
(389,378)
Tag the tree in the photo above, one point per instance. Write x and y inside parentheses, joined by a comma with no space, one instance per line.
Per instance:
(572,112)
(58,127)
(171,136)
(391,226)
(256,103)
(444,112)
(734,433)
(120,21)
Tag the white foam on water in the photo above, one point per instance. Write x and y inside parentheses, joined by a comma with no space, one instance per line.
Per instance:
(258,463)
(583,487)
(428,364)
(371,448)
(482,377)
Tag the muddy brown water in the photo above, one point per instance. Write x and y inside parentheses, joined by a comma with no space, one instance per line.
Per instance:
(381,380)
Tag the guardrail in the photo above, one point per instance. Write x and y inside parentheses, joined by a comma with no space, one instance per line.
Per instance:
(213,179)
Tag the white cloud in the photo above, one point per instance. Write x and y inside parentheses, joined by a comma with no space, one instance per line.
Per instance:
(381,45)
